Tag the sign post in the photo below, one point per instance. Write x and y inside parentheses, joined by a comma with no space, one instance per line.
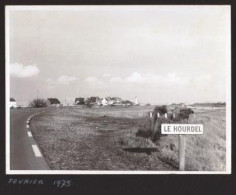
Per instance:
(181,152)
(182,130)
(150,114)
(173,115)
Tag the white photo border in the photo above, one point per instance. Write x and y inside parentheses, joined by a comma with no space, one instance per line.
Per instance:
(10,8)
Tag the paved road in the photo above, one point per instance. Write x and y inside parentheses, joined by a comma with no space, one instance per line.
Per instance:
(24,152)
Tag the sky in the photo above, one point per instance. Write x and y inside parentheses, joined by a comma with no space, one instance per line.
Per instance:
(161,54)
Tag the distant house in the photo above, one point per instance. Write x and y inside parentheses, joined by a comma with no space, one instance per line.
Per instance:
(115,101)
(13,103)
(104,102)
(136,101)
(79,101)
(108,101)
(53,102)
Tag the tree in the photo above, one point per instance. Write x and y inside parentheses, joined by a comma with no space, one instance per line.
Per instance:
(37,103)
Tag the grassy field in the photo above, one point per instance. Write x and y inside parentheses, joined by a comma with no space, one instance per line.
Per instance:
(105,139)
(205,152)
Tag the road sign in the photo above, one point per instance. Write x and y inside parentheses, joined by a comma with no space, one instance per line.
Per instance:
(182,130)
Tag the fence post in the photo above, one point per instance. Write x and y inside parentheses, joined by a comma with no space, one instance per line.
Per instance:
(165,115)
(150,114)
(158,115)
(173,115)
(181,152)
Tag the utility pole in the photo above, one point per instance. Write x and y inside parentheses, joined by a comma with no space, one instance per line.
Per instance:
(65,100)
(37,98)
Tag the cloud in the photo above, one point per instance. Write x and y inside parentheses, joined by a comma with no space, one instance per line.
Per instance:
(66,79)
(23,71)
(141,78)
(95,82)
(135,77)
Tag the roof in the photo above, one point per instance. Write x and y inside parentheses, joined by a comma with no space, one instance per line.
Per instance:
(54,101)
(12,100)
(79,99)
(92,99)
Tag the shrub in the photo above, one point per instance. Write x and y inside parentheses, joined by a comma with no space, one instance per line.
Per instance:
(37,103)
(161,109)
(183,114)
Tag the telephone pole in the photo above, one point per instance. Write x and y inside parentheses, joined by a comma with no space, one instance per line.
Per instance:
(37,97)
(65,100)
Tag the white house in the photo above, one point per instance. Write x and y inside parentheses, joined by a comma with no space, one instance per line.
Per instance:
(136,102)
(104,102)
(12,103)
(110,101)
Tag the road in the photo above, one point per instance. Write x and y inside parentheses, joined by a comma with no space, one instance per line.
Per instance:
(24,152)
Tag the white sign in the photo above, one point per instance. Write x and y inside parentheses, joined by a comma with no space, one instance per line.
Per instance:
(182,129)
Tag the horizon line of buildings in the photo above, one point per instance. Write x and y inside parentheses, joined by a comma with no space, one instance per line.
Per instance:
(94,100)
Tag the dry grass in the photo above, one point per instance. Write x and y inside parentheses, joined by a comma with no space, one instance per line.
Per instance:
(203,152)
(105,139)
(111,111)
(85,139)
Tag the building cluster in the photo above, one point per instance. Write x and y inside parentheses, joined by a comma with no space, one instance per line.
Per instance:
(91,101)
(106,101)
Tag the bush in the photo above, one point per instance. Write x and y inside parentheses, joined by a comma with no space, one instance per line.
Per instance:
(161,109)
(38,103)
(183,114)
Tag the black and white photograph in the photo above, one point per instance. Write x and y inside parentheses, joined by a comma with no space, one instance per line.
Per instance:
(125,89)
